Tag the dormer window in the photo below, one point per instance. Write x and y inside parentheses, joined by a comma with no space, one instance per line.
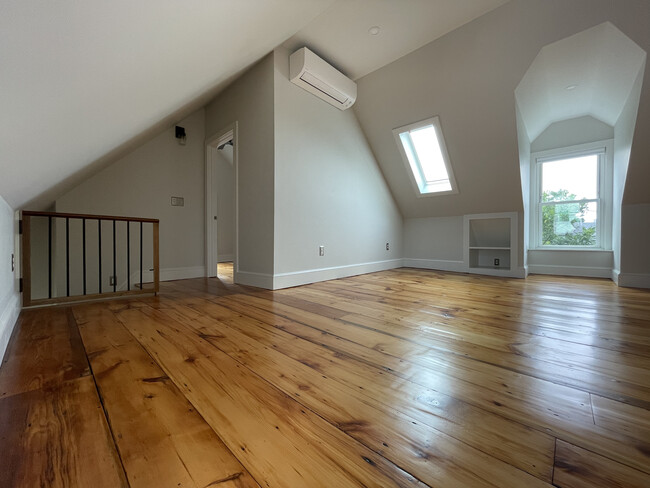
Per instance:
(423,149)
(571,197)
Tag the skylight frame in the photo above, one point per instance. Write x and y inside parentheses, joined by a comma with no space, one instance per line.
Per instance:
(413,166)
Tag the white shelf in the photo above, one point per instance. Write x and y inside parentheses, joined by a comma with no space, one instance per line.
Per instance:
(493,248)
(489,238)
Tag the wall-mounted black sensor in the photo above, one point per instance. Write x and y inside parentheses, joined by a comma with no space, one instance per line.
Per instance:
(180,134)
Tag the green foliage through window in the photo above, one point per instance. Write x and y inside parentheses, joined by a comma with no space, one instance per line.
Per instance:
(563,224)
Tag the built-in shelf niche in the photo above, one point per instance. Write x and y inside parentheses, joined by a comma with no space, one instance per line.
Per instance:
(491,243)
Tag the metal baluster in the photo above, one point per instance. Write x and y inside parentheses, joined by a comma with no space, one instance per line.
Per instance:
(49,257)
(141,255)
(67,257)
(114,261)
(83,238)
(128,255)
(99,239)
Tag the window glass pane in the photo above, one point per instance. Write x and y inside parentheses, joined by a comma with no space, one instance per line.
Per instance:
(569,224)
(570,179)
(428,150)
(413,162)
(423,149)
(437,186)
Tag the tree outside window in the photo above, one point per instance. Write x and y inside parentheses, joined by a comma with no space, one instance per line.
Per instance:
(564,224)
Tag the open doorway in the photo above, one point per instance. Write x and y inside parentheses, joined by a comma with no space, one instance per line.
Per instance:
(224,272)
(221,205)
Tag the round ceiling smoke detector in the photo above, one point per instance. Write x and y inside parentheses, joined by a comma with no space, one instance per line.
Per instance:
(374,30)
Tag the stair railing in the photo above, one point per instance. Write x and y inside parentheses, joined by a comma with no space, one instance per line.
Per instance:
(68,257)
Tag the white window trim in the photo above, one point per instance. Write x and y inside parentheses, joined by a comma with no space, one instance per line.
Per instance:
(420,190)
(605,185)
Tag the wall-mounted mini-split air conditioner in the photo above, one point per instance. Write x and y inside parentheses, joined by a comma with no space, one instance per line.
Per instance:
(315,75)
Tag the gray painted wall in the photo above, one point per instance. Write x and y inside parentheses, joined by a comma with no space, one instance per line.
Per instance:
(249,102)
(635,238)
(434,238)
(9,295)
(631,242)
(524,173)
(141,184)
(328,188)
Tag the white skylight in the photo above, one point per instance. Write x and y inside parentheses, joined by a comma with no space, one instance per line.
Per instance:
(423,148)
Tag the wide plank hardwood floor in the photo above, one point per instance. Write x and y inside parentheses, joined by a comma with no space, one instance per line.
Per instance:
(399,378)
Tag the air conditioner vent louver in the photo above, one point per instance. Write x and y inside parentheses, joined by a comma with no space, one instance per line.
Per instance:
(323,87)
(313,74)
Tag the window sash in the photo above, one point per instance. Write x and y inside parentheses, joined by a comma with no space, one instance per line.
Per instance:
(416,165)
(599,149)
(412,161)
(412,152)
(567,202)
(596,244)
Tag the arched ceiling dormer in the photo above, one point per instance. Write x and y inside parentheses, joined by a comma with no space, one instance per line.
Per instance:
(591,73)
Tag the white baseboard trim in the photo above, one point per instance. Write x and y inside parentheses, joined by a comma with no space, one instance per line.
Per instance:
(170,274)
(225,258)
(615,276)
(297,278)
(634,280)
(8,317)
(459,267)
(259,280)
(585,271)
(166,274)
(438,264)
(503,273)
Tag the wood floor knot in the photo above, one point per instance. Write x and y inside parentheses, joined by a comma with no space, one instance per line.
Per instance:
(232,477)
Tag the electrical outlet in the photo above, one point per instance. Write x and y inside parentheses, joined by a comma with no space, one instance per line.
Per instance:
(496,261)
(321,250)
(388,246)
(112,281)
(178,202)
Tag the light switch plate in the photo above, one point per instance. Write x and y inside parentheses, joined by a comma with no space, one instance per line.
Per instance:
(178,202)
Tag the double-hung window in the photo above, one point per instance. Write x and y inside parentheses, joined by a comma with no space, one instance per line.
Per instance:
(423,149)
(571,198)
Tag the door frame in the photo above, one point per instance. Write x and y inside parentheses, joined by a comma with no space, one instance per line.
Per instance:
(211,144)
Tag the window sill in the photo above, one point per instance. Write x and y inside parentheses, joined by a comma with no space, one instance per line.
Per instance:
(424,193)
(572,249)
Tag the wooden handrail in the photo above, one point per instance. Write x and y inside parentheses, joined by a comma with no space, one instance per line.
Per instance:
(27,265)
(88,216)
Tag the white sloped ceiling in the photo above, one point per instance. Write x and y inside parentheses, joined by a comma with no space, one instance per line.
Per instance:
(79,79)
